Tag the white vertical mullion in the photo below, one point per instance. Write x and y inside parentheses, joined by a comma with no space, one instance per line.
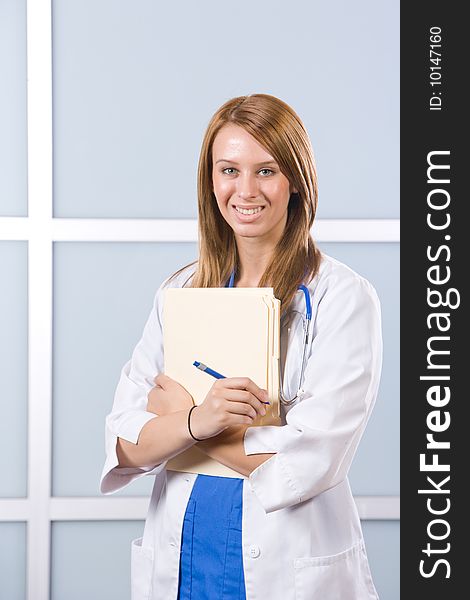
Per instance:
(39,416)
(39,115)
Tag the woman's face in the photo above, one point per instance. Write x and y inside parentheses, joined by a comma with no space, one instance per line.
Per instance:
(251,192)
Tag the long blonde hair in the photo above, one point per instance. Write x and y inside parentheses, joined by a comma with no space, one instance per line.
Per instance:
(296,259)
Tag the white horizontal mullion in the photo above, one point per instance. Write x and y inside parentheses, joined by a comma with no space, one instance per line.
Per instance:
(184,230)
(99,508)
(15,228)
(378,507)
(125,230)
(15,509)
(135,508)
(356,230)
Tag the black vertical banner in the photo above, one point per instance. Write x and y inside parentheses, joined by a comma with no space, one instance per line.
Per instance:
(434,272)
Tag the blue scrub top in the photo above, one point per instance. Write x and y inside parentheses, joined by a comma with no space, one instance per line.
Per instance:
(211,560)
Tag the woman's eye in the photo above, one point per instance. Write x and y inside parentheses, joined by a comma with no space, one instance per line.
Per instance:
(231,171)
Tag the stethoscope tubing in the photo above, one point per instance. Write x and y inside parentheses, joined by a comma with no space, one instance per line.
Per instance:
(308,318)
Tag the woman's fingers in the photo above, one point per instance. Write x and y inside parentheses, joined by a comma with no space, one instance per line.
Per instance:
(243,383)
(165,382)
(243,402)
(162,380)
(230,401)
(239,408)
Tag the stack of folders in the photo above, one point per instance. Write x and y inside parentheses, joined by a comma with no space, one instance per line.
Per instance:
(235,332)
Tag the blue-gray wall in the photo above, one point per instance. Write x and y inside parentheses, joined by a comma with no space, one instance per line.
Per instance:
(136,83)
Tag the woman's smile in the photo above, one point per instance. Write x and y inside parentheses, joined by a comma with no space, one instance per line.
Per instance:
(247,214)
(248,211)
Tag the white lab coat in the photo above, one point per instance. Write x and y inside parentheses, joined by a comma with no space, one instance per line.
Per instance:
(302,537)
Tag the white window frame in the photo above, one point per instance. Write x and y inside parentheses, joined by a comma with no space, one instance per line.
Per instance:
(40,229)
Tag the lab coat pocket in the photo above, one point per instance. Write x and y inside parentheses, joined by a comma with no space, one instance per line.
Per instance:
(141,570)
(343,576)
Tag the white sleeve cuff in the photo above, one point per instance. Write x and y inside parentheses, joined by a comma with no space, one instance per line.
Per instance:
(272,481)
(129,424)
(113,477)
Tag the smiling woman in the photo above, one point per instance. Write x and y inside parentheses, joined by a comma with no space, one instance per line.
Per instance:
(251,197)
(238,538)
(256,156)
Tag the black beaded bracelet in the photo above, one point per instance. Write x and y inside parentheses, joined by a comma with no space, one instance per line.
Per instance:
(189,425)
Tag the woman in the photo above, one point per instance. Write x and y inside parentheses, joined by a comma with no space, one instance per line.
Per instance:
(288,527)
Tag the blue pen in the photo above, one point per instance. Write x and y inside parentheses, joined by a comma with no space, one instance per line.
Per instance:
(202,367)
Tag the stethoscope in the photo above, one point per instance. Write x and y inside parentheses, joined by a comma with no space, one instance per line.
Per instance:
(306,325)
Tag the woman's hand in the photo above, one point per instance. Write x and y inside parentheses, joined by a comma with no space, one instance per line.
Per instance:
(168,396)
(230,401)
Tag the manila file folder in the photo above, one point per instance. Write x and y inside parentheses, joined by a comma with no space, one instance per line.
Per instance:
(234,331)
